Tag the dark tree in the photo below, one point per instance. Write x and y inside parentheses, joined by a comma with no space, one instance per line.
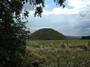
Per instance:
(85,37)
(13,31)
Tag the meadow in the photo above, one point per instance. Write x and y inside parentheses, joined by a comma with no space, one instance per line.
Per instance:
(58,53)
(59,43)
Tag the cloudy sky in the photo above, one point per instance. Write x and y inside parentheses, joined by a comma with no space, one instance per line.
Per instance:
(72,20)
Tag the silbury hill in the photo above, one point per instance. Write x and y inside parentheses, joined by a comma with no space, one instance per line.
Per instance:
(47,34)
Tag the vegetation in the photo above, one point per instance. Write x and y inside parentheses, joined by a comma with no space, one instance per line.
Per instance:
(81,44)
(15,53)
(85,37)
(46,34)
(13,31)
(58,53)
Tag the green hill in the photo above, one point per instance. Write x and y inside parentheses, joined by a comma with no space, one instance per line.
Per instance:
(46,34)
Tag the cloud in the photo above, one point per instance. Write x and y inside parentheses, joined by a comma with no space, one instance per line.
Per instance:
(57,11)
(72,20)
(83,28)
(82,5)
(78,3)
(85,11)
(73,7)
(75,3)
(68,24)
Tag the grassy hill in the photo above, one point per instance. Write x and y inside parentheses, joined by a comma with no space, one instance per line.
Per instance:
(47,34)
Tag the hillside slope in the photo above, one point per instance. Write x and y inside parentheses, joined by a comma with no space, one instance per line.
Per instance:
(46,34)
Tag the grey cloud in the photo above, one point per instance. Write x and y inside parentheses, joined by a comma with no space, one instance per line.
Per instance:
(83,28)
(66,24)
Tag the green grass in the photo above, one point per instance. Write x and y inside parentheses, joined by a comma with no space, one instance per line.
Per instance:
(57,43)
(50,53)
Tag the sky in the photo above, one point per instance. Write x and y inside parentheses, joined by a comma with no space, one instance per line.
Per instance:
(73,20)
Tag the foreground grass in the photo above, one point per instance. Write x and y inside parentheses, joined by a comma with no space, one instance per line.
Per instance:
(59,53)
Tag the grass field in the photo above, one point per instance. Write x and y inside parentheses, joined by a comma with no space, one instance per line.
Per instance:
(59,53)
(59,43)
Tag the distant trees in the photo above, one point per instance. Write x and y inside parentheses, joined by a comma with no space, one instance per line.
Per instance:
(85,37)
(13,31)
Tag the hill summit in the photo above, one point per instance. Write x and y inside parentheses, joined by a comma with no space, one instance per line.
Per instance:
(47,34)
